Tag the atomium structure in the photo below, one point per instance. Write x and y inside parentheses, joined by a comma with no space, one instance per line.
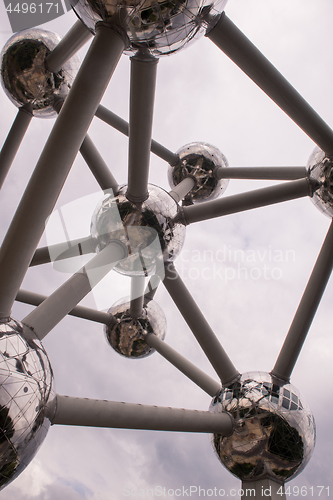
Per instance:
(263,430)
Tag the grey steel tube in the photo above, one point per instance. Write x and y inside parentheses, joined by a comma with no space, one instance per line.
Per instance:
(142,96)
(111,414)
(180,191)
(34,299)
(137,295)
(97,165)
(13,141)
(122,126)
(250,60)
(199,326)
(306,310)
(82,246)
(50,312)
(191,371)
(249,200)
(271,173)
(76,37)
(55,162)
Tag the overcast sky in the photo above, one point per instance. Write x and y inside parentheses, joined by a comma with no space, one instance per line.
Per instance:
(201,96)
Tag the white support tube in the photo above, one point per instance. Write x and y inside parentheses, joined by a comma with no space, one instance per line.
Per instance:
(199,326)
(55,162)
(261,173)
(50,312)
(34,299)
(13,141)
(255,65)
(71,43)
(180,191)
(306,310)
(191,371)
(137,295)
(152,286)
(142,96)
(111,414)
(65,250)
(97,165)
(249,200)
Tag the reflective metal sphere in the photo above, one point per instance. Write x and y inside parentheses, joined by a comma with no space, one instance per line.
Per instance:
(25,387)
(275,431)
(199,160)
(127,335)
(321,169)
(24,75)
(163,26)
(148,229)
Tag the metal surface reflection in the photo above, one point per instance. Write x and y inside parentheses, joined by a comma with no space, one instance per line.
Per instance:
(148,229)
(199,160)
(320,169)
(163,26)
(26,385)
(275,431)
(127,335)
(24,75)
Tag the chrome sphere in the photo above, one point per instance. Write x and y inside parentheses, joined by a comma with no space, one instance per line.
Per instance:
(149,230)
(162,26)
(200,160)
(26,382)
(320,168)
(127,335)
(274,434)
(25,77)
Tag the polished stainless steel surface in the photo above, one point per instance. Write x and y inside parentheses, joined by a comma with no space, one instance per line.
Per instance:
(26,381)
(274,432)
(148,229)
(127,335)
(320,167)
(200,160)
(25,77)
(163,26)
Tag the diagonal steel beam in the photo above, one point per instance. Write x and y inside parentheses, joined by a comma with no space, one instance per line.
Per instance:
(250,60)
(74,39)
(306,310)
(199,326)
(191,371)
(13,140)
(35,299)
(56,160)
(122,126)
(52,310)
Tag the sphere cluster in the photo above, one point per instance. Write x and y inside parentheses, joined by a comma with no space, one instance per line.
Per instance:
(127,335)
(150,230)
(200,160)
(162,26)
(24,74)
(274,434)
(320,168)
(26,386)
